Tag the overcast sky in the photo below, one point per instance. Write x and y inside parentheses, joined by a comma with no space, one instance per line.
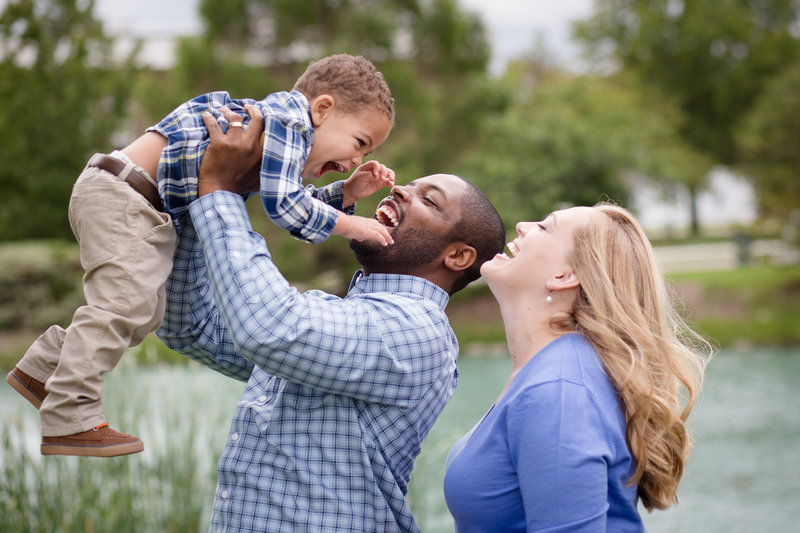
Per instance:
(514,26)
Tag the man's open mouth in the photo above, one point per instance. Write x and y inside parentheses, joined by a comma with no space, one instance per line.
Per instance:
(387,215)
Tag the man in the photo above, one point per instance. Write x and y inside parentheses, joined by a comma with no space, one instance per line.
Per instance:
(340,391)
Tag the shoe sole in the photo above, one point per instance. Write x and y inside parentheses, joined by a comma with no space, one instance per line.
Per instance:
(82,450)
(24,391)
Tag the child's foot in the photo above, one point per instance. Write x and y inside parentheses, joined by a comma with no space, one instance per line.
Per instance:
(101,441)
(31,389)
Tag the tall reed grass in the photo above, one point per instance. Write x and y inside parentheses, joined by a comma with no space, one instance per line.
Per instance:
(182,415)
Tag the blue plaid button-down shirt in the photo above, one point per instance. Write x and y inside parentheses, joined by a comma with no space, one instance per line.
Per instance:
(340,391)
(288,136)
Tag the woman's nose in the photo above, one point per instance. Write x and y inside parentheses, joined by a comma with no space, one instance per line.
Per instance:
(522,228)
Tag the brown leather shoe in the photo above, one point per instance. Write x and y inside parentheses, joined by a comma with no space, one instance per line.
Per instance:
(101,441)
(31,389)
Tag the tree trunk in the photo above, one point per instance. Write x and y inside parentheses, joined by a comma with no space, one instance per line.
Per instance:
(694,221)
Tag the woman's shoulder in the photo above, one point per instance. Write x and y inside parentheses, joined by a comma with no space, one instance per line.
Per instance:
(570,357)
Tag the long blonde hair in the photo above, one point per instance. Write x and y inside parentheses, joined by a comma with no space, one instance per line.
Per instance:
(655,361)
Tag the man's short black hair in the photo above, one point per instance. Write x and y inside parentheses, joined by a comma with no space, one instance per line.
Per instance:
(481,227)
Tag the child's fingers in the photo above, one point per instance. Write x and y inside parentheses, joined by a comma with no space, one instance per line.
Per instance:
(382,235)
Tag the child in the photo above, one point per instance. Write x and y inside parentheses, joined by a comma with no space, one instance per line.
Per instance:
(339,110)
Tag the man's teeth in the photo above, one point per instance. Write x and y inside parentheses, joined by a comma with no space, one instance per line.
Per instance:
(387,216)
(513,249)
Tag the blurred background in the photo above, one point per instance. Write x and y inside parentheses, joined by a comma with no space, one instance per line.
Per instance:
(685,111)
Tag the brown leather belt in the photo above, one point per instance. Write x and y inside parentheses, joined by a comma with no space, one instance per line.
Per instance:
(135,179)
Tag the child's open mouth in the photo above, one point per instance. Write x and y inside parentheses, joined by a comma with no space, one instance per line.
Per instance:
(331,166)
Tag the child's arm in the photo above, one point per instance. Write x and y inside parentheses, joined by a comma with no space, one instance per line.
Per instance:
(361,228)
(365,181)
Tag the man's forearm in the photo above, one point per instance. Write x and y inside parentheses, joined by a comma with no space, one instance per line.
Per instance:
(192,325)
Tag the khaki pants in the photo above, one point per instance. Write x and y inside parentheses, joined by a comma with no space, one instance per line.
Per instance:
(126,249)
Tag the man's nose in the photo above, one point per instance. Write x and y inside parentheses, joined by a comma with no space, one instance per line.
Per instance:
(399,191)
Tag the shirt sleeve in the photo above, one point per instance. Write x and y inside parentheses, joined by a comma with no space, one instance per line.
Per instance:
(192,325)
(558,445)
(333,195)
(286,201)
(357,347)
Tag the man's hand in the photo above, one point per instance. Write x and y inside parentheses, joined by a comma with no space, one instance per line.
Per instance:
(366,180)
(232,162)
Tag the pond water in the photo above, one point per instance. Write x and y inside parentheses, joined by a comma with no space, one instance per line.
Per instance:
(744,472)
(743,476)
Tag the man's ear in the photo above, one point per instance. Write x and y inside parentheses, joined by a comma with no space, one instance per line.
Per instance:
(459,256)
(321,106)
(564,280)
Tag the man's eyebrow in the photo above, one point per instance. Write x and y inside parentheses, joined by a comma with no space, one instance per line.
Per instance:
(428,185)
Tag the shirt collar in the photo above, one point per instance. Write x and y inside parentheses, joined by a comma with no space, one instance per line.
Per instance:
(397,283)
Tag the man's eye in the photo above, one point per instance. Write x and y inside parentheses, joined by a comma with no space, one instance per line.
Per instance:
(428,200)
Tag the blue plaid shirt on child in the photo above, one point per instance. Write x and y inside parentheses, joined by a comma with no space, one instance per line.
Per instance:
(288,136)
(340,391)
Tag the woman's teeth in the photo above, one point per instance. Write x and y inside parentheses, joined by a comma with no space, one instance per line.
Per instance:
(512,248)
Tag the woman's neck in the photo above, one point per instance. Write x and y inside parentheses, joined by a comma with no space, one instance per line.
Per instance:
(527,331)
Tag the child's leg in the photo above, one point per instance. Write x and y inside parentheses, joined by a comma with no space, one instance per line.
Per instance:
(41,359)
(126,250)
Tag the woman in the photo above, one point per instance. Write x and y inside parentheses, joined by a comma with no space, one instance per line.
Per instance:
(604,375)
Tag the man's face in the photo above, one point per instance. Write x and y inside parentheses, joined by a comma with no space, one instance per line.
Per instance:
(421,216)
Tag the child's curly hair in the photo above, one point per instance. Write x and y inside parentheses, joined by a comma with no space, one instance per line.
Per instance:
(352,80)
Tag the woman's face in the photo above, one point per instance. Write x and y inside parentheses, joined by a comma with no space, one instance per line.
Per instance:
(538,253)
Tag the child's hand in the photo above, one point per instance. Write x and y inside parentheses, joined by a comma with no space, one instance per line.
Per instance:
(366,180)
(361,228)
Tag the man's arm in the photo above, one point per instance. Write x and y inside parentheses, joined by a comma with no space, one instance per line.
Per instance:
(382,348)
(368,348)
(192,325)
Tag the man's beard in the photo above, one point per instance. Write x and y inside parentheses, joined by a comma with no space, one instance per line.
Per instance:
(412,248)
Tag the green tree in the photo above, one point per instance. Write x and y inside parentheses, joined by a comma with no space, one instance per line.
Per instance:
(712,57)
(769,143)
(571,140)
(433,54)
(63,96)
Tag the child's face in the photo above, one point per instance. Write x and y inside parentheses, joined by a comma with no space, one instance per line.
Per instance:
(342,139)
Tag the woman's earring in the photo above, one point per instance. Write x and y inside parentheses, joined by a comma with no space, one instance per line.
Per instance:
(549,292)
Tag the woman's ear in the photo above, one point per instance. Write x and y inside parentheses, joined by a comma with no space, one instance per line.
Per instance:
(564,280)
(459,256)
(321,106)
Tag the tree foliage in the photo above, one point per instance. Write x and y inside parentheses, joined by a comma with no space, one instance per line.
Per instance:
(63,95)
(713,57)
(769,143)
(572,140)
